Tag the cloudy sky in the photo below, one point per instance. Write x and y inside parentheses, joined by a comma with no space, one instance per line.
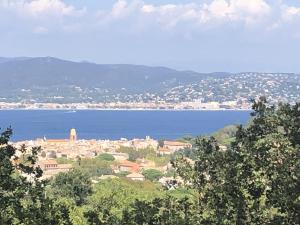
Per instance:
(201,35)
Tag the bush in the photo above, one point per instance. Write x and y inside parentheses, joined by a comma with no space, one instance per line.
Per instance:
(123,174)
(152,174)
(106,157)
(63,160)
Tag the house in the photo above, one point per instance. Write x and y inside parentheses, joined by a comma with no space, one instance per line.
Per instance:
(174,146)
(51,167)
(164,151)
(119,155)
(127,166)
(146,164)
(136,176)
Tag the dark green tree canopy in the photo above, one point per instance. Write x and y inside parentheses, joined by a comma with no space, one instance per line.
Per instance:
(256,181)
(74,184)
(22,195)
(152,174)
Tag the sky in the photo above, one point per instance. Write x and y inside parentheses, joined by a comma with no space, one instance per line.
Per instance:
(200,35)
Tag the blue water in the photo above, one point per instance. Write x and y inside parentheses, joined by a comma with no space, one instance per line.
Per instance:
(90,124)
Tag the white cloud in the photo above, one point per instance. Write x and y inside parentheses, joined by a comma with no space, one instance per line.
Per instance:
(190,17)
(122,8)
(48,6)
(221,10)
(38,8)
(148,8)
(41,16)
(289,13)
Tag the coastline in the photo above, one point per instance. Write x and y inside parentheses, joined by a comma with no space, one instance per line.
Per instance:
(118,109)
(129,106)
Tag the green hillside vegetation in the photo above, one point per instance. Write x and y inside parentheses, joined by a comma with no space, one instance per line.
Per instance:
(226,135)
(255,181)
(152,174)
(106,157)
(146,153)
(95,167)
(135,154)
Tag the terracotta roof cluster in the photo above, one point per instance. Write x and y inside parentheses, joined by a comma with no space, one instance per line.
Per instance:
(132,165)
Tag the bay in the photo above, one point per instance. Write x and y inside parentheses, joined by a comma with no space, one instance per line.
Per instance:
(116,124)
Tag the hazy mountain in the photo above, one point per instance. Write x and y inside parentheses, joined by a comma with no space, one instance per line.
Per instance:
(46,72)
(5,59)
(47,79)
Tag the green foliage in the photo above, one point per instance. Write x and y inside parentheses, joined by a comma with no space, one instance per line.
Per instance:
(22,195)
(106,157)
(123,174)
(95,167)
(186,139)
(64,160)
(159,160)
(161,143)
(167,210)
(256,181)
(112,196)
(147,153)
(226,135)
(152,174)
(135,154)
(74,184)
(170,173)
(186,152)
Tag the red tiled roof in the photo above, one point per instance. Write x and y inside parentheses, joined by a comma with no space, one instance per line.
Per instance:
(132,165)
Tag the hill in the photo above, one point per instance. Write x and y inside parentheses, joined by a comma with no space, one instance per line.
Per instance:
(47,79)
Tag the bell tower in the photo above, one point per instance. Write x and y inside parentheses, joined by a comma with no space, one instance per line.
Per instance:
(73,135)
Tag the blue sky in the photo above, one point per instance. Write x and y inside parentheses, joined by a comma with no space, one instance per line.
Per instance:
(202,35)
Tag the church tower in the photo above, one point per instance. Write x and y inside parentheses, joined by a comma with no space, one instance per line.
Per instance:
(73,135)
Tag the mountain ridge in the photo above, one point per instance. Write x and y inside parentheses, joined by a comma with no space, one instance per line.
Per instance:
(50,79)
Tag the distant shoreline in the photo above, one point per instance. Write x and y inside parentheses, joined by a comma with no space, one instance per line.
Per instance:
(117,109)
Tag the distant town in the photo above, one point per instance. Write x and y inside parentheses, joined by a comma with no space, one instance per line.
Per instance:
(61,155)
(195,105)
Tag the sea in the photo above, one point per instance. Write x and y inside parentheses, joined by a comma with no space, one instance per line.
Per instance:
(116,124)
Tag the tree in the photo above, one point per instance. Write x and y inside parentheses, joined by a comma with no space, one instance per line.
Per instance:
(106,157)
(166,210)
(74,184)
(152,174)
(23,200)
(95,167)
(133,155)
(256,181)
(161,143)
